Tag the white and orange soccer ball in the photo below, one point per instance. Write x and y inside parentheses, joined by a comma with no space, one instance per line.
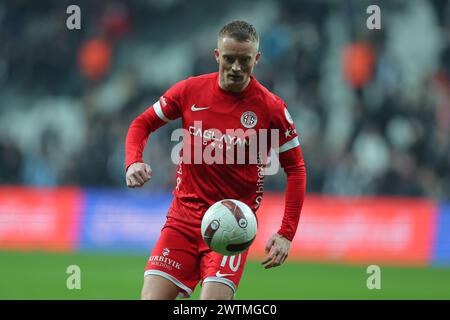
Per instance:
(229,227)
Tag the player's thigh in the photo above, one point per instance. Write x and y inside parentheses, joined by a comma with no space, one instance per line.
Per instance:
(173,258)
(158,288)
(216,291)
(221,274)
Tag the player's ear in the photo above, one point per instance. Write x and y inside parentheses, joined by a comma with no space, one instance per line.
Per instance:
(258,55)
(217,54)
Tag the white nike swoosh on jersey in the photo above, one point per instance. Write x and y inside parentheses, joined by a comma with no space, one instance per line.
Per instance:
(221,275)
(194,108)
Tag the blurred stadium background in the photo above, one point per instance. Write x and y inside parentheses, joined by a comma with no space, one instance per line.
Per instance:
(372,108)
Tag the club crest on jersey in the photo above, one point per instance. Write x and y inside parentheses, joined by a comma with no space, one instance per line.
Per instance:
(249,119)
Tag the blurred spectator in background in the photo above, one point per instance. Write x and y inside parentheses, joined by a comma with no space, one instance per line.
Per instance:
(11,161)
(94,58)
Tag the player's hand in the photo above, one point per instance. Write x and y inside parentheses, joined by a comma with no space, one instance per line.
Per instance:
(277,249)
(138,174)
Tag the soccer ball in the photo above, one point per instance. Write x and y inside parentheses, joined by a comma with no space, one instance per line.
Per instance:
(229,227)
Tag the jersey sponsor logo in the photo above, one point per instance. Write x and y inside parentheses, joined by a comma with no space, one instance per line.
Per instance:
(288,116)
(221,275)
(249,119)
(166,252)
(260,182)
(165,262)
(195,108)
(236,146)
(232,137)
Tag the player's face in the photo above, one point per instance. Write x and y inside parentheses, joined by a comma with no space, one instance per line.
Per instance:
(236,61)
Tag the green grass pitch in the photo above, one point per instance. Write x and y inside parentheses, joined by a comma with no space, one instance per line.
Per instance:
(37,275)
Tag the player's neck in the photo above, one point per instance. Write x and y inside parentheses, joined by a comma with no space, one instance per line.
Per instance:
(234,90)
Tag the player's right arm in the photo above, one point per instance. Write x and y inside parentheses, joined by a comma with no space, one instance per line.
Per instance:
(168,107)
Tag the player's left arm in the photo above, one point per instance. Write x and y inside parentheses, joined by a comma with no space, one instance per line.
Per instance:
(279,244)
(291,160)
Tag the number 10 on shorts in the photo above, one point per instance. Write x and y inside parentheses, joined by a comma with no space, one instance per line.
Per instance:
(231,264)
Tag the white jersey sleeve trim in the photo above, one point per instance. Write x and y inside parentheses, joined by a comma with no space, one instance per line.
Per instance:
(159,112)
(289,145)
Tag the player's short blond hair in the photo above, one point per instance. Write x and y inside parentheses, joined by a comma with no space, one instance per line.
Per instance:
(240,31)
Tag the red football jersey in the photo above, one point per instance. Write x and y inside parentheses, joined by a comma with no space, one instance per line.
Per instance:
(223,154)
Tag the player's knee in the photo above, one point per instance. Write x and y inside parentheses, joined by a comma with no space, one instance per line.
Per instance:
(218,296)
(151,294)
(158,294)
(146,295)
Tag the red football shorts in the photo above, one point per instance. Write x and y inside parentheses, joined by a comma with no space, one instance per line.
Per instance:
(181,256)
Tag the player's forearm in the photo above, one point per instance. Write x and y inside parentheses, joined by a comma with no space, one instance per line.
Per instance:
(294,166)
(138,134)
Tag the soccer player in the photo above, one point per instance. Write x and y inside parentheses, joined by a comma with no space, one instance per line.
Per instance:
(210,105)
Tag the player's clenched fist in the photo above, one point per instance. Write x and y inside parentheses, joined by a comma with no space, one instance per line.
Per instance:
(138,174)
